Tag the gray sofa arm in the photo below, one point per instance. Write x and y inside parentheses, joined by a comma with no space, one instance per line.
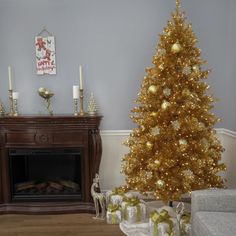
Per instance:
(221,200)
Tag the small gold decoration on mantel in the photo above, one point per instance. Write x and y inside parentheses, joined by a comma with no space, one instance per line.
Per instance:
(2,109)
(92,106)
(46,95)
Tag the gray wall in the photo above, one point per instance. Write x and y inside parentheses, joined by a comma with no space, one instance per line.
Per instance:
(114,40)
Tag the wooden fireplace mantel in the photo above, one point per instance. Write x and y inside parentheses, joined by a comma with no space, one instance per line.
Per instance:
(50,132)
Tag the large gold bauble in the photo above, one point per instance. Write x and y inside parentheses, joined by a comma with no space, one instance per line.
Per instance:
(157,163)
(149,145)
(160,184)
(165,105)
(152,89)
(176,48)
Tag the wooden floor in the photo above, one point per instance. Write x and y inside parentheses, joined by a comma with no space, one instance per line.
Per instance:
(55,225)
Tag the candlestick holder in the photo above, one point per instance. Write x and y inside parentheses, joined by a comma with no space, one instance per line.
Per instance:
(76,113)
(11,113)
(81,99)
(15,102)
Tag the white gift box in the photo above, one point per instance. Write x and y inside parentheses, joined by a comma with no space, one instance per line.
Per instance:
(163,228)
(136,229)
(133,214)
(113,217)
(116,199)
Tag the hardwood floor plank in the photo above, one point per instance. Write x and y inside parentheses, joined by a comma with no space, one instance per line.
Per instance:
(56,225)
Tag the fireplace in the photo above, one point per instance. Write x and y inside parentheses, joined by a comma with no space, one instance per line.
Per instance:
(45,174)
(47,163)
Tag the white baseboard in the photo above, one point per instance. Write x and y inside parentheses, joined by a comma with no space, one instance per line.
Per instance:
(114,150)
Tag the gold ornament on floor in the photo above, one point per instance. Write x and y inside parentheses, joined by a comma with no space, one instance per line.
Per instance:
(165,105)
(152,89)
(176,48)
(149,145)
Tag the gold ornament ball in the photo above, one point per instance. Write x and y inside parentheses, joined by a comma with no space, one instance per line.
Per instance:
(152,89)
(186,92)
(176,48)
(160,183)
(165,105)
(157,163)
(149,145)
(196,68)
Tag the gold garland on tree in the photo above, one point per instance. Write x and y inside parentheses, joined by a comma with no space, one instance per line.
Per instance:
(174,148)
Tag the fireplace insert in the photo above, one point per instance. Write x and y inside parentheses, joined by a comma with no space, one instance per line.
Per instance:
(52,174)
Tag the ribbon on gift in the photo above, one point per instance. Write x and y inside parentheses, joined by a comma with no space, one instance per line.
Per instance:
(162,217)
(117,191)
(185,218)
(113,208)
(132,202)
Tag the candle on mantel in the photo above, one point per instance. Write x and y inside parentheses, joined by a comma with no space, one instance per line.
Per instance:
(15,95)
(75,92)
(9,78)
(80,78)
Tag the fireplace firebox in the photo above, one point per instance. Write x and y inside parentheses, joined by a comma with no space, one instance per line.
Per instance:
(45,174)
(47,163)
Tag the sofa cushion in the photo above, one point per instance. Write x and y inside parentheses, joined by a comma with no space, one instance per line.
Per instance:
(214,224)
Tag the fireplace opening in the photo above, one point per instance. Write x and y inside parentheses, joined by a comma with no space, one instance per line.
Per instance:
(45,174)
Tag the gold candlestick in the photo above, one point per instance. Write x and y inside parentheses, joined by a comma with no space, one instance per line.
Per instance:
(11,113)
(81,99)
(15,107)
(76,113)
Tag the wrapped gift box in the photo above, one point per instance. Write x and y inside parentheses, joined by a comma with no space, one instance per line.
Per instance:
(116,196)
(161,224)
(133,210)
(113,215)
(185,225)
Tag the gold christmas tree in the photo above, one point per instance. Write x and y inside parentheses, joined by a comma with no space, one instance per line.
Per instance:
(174,148)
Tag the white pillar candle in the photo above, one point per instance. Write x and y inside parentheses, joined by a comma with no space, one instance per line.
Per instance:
(75,91)
(9,78)
(15,95)
(80,78)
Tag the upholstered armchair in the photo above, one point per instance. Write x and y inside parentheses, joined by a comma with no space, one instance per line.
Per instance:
(214,212)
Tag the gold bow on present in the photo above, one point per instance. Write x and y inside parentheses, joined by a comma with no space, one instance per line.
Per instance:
(185,218)
(162,217)
(133,202)
(113,208)
(118,191)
